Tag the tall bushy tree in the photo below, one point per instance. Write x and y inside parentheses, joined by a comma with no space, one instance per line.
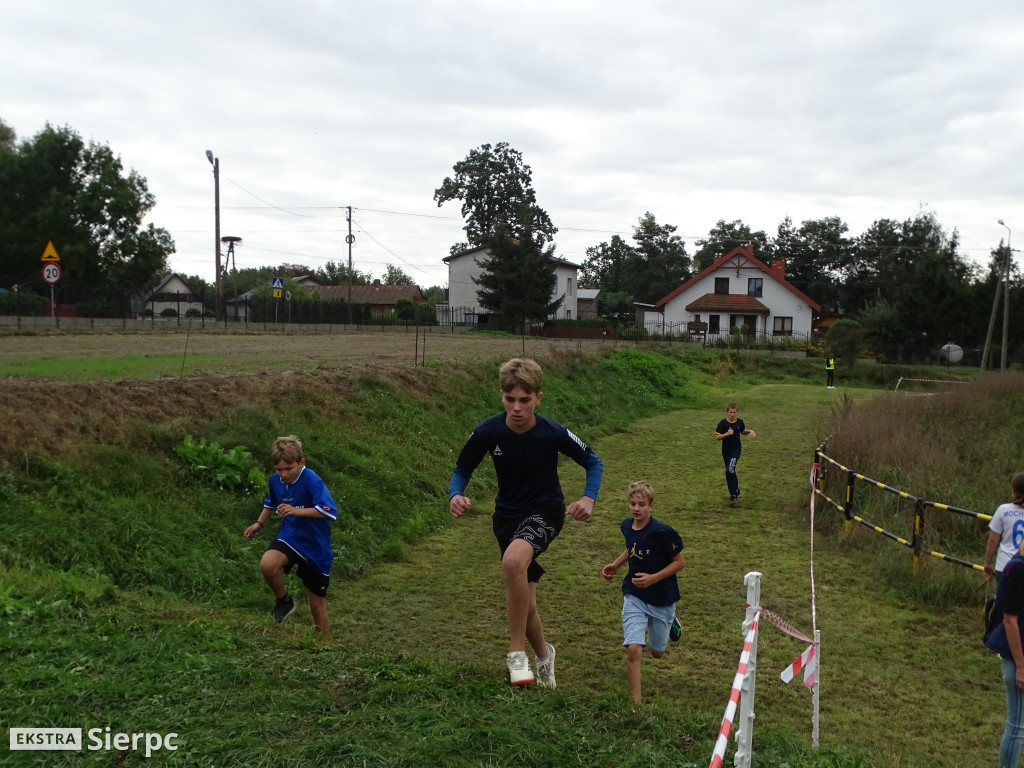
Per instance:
(56,187)
(606,264)
(396,276)
(660,263)
(495,188)
(815,253)
(914,268)
(725,237)
(501,212)
(517,280)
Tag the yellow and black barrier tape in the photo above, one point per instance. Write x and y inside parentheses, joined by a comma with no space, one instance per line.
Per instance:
(879,529)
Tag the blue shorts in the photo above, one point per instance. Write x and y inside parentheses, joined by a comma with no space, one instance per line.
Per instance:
(646,624)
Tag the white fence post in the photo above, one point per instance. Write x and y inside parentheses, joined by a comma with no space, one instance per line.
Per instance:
(745,725)
(817,686)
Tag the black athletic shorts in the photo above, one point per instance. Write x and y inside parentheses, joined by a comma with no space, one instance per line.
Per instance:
(311,578)
(538,530)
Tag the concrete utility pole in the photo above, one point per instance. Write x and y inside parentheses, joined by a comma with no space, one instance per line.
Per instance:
(218,285)
(1006,296)
(350,238)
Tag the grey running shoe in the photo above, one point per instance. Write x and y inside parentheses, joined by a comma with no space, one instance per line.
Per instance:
(546,669)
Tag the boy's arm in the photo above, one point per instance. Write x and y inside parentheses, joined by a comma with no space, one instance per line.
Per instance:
(644,580)
(609,570)
(584,508)
(261,520)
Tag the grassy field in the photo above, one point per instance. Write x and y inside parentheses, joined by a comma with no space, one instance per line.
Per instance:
(130,599)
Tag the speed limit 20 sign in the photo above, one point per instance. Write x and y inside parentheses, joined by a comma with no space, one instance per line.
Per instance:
(51,272)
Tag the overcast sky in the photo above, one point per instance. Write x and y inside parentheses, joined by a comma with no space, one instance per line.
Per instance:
(695,111)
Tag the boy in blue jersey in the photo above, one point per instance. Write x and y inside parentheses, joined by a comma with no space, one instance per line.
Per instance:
(529,509)
(650,590)
(728,431)
(303,541)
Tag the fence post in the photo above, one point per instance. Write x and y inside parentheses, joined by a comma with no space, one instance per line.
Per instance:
(918,528)
(745,724)
(817,688)
(848,525)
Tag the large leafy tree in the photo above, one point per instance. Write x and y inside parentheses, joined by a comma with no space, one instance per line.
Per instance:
(725,237)
(914,268)
(815,253)
(396,276)
(660,263)
(495,188)
(56,187)
(606,264)
(500,207)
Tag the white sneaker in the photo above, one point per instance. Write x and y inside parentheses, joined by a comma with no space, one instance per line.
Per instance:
(546,669)
(519,672)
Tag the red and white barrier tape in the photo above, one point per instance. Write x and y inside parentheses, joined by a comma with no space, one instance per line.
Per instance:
(785,626)
(808,662)
(730,710)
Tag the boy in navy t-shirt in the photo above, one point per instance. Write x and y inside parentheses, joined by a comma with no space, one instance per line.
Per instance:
(303,541)
(650,590)
(728,431)
(530,508)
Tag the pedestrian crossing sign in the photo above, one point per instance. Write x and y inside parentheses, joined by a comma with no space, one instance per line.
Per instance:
(277,283)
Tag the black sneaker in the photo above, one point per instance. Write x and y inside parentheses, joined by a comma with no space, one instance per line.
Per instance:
(676,631)
(283,608)
(732,501)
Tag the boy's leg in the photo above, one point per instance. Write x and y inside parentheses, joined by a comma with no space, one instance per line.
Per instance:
(318,607)
(521,598)
(272,567)
(730,476)
(634,655)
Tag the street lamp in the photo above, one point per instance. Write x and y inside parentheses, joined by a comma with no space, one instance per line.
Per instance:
(1006,296)
(215,162)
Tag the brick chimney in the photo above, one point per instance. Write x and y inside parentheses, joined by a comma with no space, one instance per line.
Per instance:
(779,269)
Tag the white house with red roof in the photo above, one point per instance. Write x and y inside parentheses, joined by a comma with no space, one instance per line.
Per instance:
(738,290)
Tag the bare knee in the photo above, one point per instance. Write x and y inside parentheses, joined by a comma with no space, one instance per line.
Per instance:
(634,653)
(657,654)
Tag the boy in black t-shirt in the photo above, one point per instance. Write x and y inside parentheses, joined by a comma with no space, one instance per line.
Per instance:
(728,431)
(650,590)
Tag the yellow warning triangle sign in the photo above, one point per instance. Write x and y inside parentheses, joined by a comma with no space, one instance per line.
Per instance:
(50,254)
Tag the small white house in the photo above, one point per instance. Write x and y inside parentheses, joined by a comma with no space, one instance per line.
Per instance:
(173,293)
(464,268)
(737,290)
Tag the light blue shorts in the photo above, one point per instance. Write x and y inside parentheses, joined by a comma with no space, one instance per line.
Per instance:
(644,624)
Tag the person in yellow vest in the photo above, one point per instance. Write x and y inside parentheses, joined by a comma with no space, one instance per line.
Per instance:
(830,371)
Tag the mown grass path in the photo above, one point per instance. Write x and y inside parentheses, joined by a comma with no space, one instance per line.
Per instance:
(909,685)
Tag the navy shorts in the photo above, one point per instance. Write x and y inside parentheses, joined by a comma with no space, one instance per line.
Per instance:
(311,578)
(537,530)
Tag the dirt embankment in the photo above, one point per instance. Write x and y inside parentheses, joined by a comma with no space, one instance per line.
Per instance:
(41,416)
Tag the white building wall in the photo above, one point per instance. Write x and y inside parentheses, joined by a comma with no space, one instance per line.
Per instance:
(462,290)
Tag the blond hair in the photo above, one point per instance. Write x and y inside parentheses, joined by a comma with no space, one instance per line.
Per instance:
(287,448)
(521,372)
(641,487)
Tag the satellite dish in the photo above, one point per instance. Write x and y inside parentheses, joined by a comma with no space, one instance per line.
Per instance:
(952,353)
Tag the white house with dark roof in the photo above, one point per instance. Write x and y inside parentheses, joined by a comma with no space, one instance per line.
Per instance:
(464,269)
(738,290)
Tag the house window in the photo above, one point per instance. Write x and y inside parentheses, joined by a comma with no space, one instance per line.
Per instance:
(755,286)
(568,314)
(713,323)
(783,326)
(568,286)
(721,285)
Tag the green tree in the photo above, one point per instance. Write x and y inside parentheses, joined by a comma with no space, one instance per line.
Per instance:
(659,263)
(337,274)
(606,264)
(404,310)
(915,269)
(845,339)
(501,213)
(56,187)
(395,276)
(516,281)
(815,255)
(725,237)
(495,188)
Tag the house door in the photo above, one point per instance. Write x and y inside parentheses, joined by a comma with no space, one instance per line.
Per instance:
(751,322)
